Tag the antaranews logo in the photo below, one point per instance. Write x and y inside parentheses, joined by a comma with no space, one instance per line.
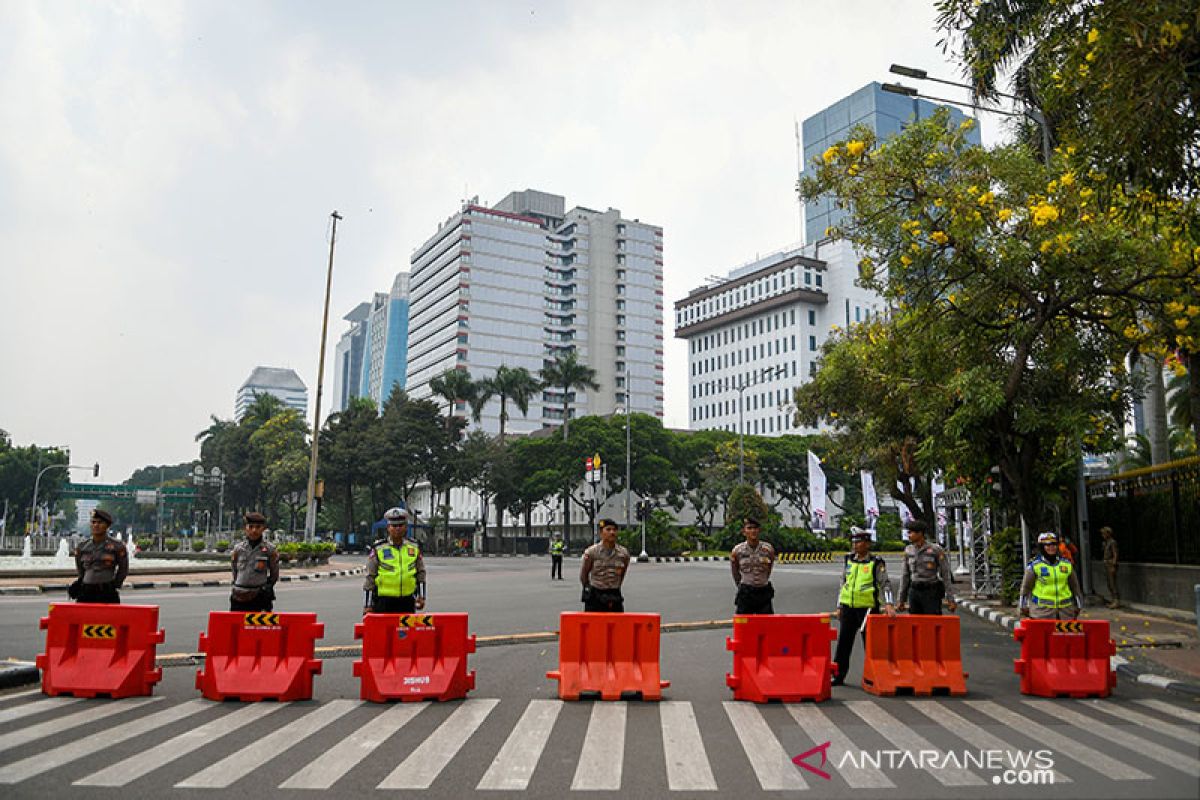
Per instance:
(1008,767)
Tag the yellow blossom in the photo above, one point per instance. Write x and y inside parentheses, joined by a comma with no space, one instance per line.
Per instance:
(906,261)
(852,170)
(1093,36)
(966,125)
(916,248)
(855,148)
(1131,332)
(1044,213)
(1171,33)
(1051,187)
(1083,70)
(986,199)
(1086,193)
(1174,307)
(830,154)
(972,190)
(1182,323)
(1086,218)
(939,237)
(1068,178)
(1091,56)
(1004,214)
(1046,245)
(938,202)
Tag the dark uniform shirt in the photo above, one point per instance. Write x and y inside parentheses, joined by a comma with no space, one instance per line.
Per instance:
(103,562)
(926,564)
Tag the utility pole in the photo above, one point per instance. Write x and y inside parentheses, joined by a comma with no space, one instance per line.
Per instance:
(310,514)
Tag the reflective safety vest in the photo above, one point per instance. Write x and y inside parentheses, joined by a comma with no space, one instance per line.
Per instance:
(1051,588)
(858,584)
(397,576)
(556,548)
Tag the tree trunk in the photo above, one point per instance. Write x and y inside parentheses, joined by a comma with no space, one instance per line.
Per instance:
(1156,411)
(1193,389)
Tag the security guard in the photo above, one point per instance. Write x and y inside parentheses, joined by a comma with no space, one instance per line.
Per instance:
(603,571)
(751,562)
(865,582)
(1050,589)
(255,565)
(102,563)
(395,581)
(556,556)
(926,576)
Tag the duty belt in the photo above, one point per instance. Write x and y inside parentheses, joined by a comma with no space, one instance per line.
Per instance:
(1052,603)
(926,584)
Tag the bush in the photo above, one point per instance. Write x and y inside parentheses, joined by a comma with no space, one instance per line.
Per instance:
(839,545)
(222,546)
(287,550)
(144,544)
(198,546)
(889,546)
(171,544)
(1005,552)
(795,540)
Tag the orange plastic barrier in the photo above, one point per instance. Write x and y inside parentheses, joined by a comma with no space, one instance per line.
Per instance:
(613,655)
(414,657)
(782,657)
(259,655)
(1065,658)
(913,654)
(100,649)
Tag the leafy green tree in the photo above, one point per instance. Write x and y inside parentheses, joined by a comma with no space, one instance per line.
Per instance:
(19,468)
(507,384)
(704,480)
(282,445)
(567,374)
(350,445)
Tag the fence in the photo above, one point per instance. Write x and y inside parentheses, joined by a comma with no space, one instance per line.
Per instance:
(1154,513)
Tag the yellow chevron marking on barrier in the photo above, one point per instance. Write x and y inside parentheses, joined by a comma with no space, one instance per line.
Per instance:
(260,619)
(1068,627)
(416,621)
(99,632)
(805,558)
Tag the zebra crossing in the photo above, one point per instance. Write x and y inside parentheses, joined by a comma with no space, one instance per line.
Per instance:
(489,744)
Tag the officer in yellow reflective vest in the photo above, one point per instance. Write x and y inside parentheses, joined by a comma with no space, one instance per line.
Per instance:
(1050,589)
(865,583)
(556,555)
(395,581)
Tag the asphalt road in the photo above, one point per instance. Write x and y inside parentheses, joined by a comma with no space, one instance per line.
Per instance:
(512,737)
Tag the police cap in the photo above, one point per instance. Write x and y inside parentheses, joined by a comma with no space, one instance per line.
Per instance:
(396,514)
(254,518)
(103,516)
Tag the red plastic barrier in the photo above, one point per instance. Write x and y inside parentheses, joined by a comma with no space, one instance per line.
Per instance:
(913,654)
(414,657)
(609,654)
(100,649)
(1065,658)
(259,656)
(782,657)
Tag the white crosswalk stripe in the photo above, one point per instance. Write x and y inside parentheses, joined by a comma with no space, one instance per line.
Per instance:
(346,754)
(18,695)
(688,769)
(603,753)
(69,722)
(238,765)
(969,732)
(81,748)
(1059,742)
(1111,733)
(816,724)
(514,764)
(424,764)
(1172,710)
(772,765)
(36,707)
(905,738)
(134,767)
(1188,735)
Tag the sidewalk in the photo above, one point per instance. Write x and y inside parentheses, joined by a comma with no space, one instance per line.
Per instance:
(1158,646)
(338,566)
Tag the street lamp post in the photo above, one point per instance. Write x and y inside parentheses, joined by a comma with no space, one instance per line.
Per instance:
(213,478)
(741,387)
(310,511)
(95,468)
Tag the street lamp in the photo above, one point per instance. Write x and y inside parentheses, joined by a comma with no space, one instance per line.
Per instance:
(95,468)
(310,511)
(741,387)
(214,478)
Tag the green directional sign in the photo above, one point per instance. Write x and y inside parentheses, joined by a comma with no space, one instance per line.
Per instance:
(170,494)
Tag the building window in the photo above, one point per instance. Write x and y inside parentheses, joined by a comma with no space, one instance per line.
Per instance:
(620,336)
(620,288)
(620,304)
(621,378)
(620,352)
(620,319)
(620,366)
(812,368)
(812,317)
(818,279)
(620,274)
(812,344)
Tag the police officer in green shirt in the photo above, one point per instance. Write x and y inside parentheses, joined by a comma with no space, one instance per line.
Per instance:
(1050,589)
(395,581)
(556,555)
(865,584)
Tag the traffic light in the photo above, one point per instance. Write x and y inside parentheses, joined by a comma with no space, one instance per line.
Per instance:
(96,470)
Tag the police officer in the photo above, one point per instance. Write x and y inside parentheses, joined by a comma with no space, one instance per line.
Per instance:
(102,563)
(751,562)
(556,556)
(395,581)
(865,583)
(255,564)
(603,571)
(1050,589)
(1112,563)
(926,576)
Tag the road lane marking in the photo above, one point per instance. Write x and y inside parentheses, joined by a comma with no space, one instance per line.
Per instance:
(603,753)
(820,728)
(36,707)
(1130,741)
(1102,763)
(772,766)
(4,698)
(905,738)
(424,764)
(1175,711)
(688,769)
(71,721)
(513,766)
(969,732)
(90,745)
(1187,735)
(346,754)
(229,769)
(134,767)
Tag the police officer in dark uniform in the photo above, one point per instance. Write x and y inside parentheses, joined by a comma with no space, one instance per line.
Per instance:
(926,580)
(395,582)
(255,563)
(102,563)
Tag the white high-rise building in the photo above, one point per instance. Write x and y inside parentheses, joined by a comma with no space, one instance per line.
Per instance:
(524,281)
(755,337)
(283,383)
(348,358)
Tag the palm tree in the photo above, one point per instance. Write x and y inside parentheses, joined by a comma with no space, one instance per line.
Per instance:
(515,384)
(567,373)
(454,386)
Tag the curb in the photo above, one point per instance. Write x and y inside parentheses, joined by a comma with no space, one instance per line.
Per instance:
(1123,666)
(47,588)
(18,673)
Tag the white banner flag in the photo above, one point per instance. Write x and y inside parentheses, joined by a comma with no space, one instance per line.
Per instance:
(870,503)
(816,491)
(905,516)
(936,487)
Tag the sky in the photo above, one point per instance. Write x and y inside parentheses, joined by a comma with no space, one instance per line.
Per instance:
(167,172)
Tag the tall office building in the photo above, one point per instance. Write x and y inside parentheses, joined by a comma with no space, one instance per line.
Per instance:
(348,358)
(884,113)
(282,383)
(385,355)
(525,281)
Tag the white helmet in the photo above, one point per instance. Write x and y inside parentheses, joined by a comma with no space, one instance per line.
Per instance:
(396,514)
